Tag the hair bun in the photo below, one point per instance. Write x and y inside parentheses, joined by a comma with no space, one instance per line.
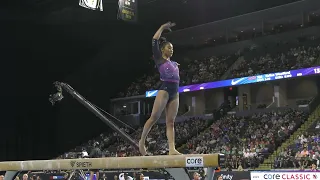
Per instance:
(163,39)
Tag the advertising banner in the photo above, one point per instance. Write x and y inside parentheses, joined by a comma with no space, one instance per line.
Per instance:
(233,175)
(194,161)
(288,175)
(246,80)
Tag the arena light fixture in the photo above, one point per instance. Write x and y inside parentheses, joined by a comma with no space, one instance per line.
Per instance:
(128,10)
(91,4)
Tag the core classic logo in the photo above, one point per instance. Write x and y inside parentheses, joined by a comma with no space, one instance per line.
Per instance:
(290,176)
(80,164)
(286,176)
(194,161)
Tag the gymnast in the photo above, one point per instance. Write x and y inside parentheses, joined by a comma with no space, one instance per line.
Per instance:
(168,95)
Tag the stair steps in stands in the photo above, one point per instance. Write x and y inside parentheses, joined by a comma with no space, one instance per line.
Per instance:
(233,66)
(268,163)
(184,146)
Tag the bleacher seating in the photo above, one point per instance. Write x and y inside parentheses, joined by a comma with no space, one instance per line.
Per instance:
(304,152)
(247,140)
(267,60)
(286,56)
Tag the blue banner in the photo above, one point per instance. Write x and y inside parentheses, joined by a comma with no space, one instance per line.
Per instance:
(246,80)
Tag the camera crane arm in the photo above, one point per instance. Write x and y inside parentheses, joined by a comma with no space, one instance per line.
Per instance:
(58,96)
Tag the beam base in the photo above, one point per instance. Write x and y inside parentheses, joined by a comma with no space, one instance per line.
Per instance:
(10,175)
(178,173)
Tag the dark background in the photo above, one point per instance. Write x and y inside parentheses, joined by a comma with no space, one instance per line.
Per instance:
(48,40)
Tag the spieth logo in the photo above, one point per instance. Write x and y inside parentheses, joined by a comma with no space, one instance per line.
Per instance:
(72,163)
(80,164)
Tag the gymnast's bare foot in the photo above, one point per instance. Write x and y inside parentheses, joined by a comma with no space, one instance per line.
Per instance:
(142,148)
(174,152)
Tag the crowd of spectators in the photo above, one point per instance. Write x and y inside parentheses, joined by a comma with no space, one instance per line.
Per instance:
(157,140)
(279,59)
(255,61)
(246,140)
(111,144)
(305,151)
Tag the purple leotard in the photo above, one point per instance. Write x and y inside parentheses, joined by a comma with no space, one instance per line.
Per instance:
(169,70)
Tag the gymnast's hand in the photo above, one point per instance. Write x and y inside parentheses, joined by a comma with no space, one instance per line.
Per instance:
(168,25)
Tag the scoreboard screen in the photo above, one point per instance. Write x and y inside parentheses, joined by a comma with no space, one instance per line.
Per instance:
(128,10)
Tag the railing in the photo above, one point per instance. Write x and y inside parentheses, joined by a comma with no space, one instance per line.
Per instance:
(233,66)
(314,103)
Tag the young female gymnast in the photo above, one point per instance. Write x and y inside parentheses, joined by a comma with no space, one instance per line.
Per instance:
(168,95)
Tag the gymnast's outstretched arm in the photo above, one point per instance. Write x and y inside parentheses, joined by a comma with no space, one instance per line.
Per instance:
(167,26)
(155,40)
(157,35)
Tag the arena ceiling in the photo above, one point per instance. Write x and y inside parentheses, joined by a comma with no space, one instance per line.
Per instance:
(186,12)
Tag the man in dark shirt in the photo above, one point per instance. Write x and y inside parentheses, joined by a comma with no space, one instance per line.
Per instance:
(95,153)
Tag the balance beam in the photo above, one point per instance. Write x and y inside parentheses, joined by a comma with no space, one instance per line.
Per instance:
(135,162)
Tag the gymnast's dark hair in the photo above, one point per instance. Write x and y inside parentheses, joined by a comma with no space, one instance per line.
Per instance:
(163,42)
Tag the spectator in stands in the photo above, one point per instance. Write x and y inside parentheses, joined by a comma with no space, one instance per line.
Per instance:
(219,178)
(66,176)
(314,167)
(25,177)
(103,177)
(139,176)
(196,176)
(1,177)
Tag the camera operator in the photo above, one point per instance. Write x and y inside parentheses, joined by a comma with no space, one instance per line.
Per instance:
(95,153)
